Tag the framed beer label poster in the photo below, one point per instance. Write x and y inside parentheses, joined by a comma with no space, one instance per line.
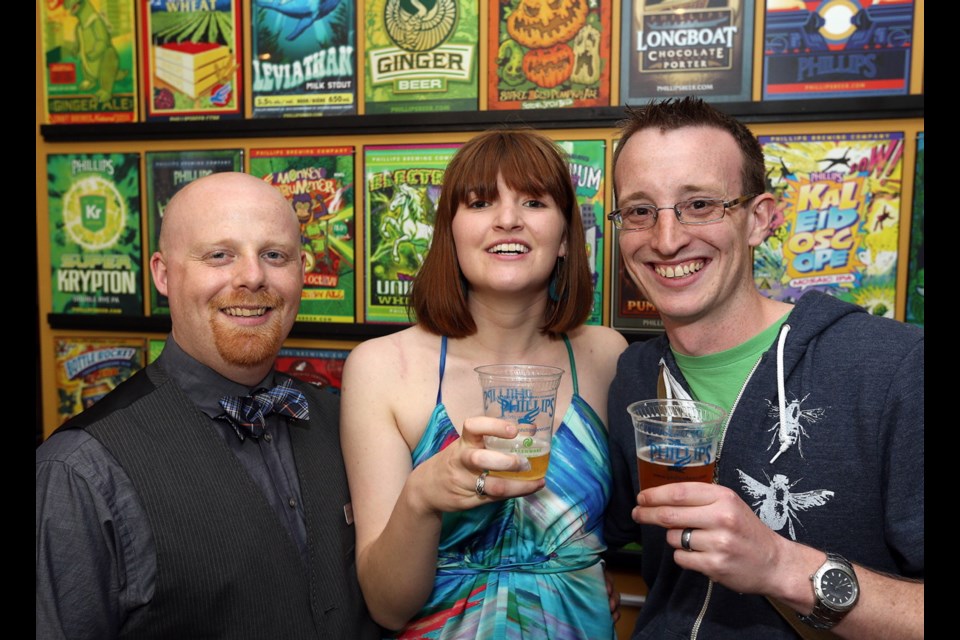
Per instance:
(837,49)
(87,369)
(837,224)
(403,184)
(167,173)
(89,61)
(549,54)
(675,48)
(94,202)
(631,312)
(422,56)
(303,60)
(318,181)
(587,159)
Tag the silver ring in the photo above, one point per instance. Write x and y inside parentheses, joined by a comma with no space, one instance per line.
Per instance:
(685,539)
(481,480)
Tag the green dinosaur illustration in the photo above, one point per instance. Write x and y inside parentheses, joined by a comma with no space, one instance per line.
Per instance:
(99,59)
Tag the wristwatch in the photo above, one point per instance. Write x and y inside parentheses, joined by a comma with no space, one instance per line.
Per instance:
(835,589)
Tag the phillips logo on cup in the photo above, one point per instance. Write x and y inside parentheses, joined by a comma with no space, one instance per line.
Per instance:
(675,453)
(516,400)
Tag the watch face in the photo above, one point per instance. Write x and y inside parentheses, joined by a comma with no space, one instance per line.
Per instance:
(839,590)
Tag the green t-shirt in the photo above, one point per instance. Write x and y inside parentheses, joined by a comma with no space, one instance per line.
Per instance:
(717,378)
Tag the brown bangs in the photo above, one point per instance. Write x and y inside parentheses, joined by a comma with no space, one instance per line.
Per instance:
(529,164)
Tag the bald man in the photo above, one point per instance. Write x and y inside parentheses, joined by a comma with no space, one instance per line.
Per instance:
(206,496)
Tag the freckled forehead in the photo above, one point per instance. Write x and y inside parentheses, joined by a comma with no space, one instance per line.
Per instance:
(246,211)
(684,160)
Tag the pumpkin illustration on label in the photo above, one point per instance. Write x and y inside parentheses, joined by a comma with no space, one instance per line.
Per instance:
(510,61)
(586,51)
(548,67)
(544,23)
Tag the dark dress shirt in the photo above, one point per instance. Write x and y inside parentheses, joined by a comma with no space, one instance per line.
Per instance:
(90,521)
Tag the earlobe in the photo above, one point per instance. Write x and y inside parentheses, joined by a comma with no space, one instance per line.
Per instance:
(158,268)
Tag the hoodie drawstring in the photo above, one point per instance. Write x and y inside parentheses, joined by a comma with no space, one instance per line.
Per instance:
(781,392)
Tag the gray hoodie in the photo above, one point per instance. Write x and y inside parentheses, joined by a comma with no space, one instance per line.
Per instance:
(825,443)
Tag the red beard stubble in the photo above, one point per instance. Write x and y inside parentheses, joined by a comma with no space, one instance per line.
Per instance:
(248,346)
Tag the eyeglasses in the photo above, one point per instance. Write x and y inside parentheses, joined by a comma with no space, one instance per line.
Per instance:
(693,211)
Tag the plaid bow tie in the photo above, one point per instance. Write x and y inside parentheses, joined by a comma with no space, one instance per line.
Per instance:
(248,414)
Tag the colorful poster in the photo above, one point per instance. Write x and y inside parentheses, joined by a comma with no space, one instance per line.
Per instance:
(836,48)
(631,311)
(673,48)
(318,182)
(549,54)
(94,202)
(167,173)
(838,218)
(192,59)
(304,59)
(89,368)
(915,271)
(89,52)
(421,57)
(403,185)
(587,161)
(323,368)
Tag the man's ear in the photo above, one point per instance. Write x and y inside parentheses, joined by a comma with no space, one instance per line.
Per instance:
(763,214)
(158,268)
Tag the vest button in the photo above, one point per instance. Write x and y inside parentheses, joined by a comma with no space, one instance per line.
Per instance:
(292,502)
(267,437)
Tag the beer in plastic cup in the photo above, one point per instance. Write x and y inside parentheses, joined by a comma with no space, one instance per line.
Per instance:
(525,394)
(676,440)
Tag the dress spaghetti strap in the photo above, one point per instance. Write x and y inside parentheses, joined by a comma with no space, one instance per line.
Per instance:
(573,364)
(443,364)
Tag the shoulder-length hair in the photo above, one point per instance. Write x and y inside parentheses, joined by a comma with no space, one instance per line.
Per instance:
(529,163)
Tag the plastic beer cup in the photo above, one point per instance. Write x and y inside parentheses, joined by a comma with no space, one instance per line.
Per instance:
(676,440)
(525,394)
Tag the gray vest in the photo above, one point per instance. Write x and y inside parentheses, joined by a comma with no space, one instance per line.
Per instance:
(226,566)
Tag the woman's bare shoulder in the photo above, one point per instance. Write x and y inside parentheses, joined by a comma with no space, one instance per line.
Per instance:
(598,339)
(394,355)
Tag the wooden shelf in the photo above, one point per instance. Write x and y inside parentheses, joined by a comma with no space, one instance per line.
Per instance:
(161,324)
(583,118)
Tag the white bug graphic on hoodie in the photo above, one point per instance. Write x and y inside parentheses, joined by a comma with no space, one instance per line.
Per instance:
(776,504)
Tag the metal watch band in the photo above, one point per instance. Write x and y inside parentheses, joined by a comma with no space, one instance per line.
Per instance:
(823,617)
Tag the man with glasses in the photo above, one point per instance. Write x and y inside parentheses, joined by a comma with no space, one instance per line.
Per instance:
(815,517)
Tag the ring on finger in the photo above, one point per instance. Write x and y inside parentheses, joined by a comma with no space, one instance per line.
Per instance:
(685,539)
(481,481)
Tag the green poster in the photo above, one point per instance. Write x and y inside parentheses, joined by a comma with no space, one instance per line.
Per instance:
(167,173)
(421,57)
(587,160)
(94,208)
(403,185)
(318,181)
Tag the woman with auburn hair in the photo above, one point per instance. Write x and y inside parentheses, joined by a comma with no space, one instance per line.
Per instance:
(443,549)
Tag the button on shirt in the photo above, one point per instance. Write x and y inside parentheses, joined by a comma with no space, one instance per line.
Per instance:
(102,529)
